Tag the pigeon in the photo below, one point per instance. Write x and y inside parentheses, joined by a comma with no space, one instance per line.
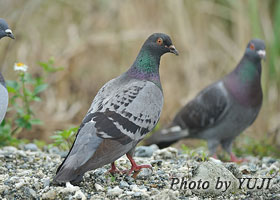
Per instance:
(124,110)
(4,97)
(221,111)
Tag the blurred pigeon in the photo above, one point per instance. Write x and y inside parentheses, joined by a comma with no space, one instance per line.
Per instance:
(124,110)
(4,98)
(221,111)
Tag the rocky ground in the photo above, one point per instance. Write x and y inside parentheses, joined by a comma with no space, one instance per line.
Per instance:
(27,173)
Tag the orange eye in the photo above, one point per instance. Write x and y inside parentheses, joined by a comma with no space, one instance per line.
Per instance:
(252,46)
(159,41)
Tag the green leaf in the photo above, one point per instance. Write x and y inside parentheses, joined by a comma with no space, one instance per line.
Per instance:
(40,88)
(29,79)
(36,122)
(21,122)
(64,139)
(49,66)
(35,98)
(12,86)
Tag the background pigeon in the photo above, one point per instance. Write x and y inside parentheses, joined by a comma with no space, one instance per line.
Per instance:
(221,111)
(4,98)
(124,110)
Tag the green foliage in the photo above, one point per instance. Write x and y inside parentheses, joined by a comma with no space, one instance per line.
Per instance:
(253,13)
(49,66)
(65,138)
(199,155)
(244,145)
(5,135)
(185,149)
(39,143)
(249,146)
(274,49)
(24,91)
(113,178)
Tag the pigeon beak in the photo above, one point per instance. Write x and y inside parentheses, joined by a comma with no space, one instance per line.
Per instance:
(172,49)
(11,36)
(9,33)
(262,54)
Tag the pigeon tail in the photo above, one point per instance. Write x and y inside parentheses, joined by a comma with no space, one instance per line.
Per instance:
(68,174)
(167,136)
(74,165)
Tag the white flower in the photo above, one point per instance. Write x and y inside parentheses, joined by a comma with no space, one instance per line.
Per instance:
(20,67)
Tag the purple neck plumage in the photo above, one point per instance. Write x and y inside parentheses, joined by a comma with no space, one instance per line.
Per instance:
(146,67)
(136,73)
(244,83)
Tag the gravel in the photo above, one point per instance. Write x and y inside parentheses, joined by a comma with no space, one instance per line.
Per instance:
(27,173)
(31,147)
(145,151)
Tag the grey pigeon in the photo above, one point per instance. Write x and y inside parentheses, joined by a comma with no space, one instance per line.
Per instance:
(221,111)
(124,110)
(4,98)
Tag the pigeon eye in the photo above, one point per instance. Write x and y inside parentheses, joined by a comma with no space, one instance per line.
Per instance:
(8,31)
(252,46)
(159,41)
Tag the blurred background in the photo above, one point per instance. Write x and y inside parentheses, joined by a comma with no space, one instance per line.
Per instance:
(97,40)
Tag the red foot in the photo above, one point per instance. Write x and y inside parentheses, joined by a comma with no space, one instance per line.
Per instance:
(134,166)
(233,158)
(113,169)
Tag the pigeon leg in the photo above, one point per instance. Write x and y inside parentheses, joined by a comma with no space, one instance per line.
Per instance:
(227,145)
(134,166)
(212,146)
(113,169)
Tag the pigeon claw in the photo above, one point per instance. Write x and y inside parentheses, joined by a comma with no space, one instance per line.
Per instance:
(114,169)
(134,167)
(137,168)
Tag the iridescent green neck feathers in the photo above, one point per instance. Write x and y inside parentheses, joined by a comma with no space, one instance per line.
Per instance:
(146,67)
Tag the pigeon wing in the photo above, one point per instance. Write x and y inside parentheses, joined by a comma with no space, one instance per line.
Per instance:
(205,110)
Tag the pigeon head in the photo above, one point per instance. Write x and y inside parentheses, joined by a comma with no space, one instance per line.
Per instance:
(160,43)
(146,64)
(154,47)
(5,31)
(255,50)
